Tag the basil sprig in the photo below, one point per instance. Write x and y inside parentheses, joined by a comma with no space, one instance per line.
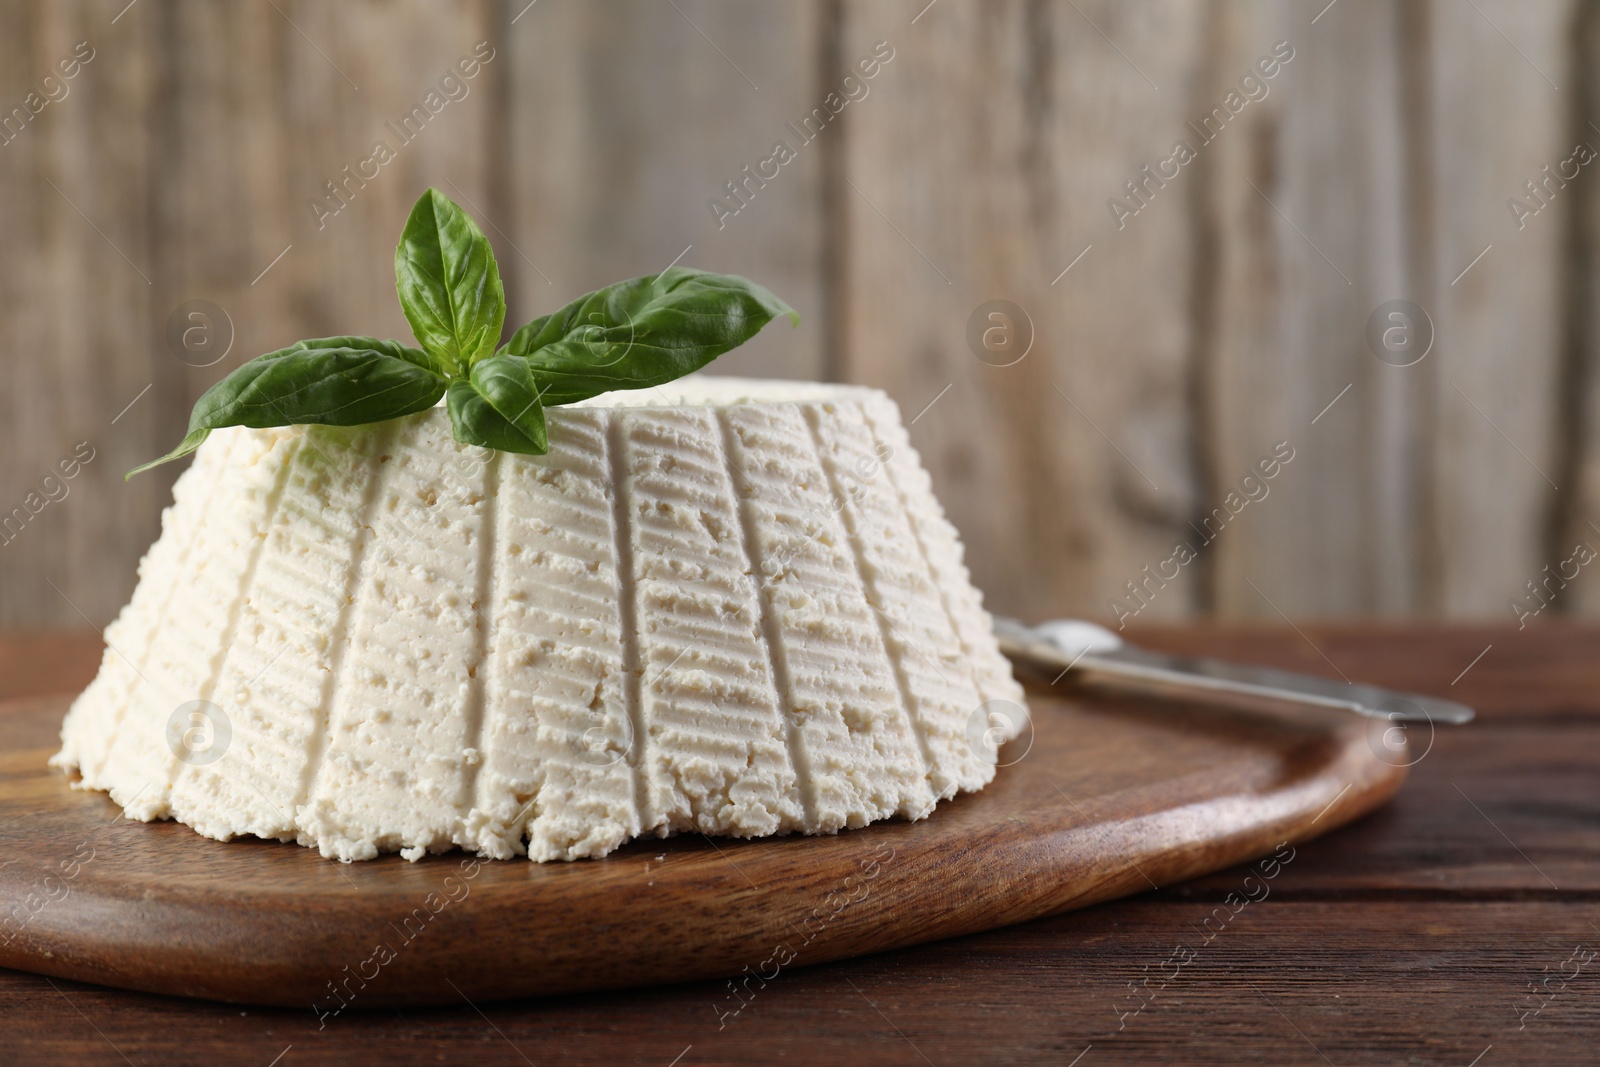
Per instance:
(632,335)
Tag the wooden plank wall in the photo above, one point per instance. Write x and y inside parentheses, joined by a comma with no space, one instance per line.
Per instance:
(1173,348)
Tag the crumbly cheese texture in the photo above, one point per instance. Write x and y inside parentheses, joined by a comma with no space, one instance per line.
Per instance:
(723,606)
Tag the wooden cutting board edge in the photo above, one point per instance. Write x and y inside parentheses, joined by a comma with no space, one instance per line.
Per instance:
(723,927)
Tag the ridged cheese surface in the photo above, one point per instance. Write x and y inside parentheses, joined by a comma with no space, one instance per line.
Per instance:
(724,607)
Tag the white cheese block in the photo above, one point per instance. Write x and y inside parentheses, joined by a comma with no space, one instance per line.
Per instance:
(722,606)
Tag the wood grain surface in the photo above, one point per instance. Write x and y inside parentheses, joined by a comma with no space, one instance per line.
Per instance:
(1226,316)
(1105,796)
(1411,935)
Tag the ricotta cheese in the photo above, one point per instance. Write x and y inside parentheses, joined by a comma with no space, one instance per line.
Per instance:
(721,606)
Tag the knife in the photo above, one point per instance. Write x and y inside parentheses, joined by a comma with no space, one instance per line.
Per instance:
(1096,652)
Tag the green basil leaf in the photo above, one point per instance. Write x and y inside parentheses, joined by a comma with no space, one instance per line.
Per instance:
(309,384)
(193,440)
(449,284)
(388,348)
(476,422)
(642,332)
(507,383)
(320,381)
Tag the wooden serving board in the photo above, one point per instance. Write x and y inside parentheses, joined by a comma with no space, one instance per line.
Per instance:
(1111,795)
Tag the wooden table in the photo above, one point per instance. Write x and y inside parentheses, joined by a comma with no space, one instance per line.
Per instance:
(1417,935)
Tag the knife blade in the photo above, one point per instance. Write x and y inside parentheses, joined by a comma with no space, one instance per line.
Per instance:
(1099,653)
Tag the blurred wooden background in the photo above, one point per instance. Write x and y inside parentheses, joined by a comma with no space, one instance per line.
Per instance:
(1222,318)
